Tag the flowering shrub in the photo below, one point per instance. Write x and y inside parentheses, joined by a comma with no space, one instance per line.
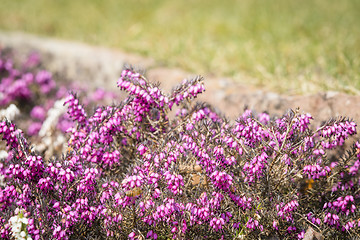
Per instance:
(28,90)
(132,172)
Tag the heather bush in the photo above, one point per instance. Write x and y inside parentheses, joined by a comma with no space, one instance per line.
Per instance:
(30,93)
(136,171)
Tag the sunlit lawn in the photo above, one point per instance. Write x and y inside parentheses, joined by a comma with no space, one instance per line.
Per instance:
(294,46)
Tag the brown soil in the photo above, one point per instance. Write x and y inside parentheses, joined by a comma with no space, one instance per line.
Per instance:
(101,67)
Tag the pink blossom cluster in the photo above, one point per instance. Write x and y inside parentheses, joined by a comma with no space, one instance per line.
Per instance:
(316,171)
(332,220)
(75,110)
(313,219)
(29,86)
(254,169)
(302,122)
(249,130)
(10,134)
(342,204)
(221,180)
(337,133)
(285,211)
(253,224)
(187,90)
(174,182)
(45,81)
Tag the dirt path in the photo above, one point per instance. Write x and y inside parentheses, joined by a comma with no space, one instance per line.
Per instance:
(102,66)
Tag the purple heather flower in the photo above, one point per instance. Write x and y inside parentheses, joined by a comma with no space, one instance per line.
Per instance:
(337,133)
(285,210)
(142,149)
(132,182)
(75,110)
(302,122)
(38,112)
(174,182)
(301,235)
(342,204)
(217,223)
(221,180)
(275,225)
(10,134)
(253,224)
(64,123)
(34,128)
(44,79)
(99,94)
(316,171)
(254,168)
(313,219)
(264,118)
(151,235)
(33,60)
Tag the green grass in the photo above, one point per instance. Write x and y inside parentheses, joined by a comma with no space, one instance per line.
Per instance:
(297,46)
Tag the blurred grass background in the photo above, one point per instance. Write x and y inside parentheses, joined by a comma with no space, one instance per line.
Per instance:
(287,46)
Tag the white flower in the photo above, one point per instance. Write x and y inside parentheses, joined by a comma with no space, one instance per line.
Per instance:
(18,223)
(52,117)
(10,112)
(2,184)
(24,221)
(14,219)
(16,227)
(3,154)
